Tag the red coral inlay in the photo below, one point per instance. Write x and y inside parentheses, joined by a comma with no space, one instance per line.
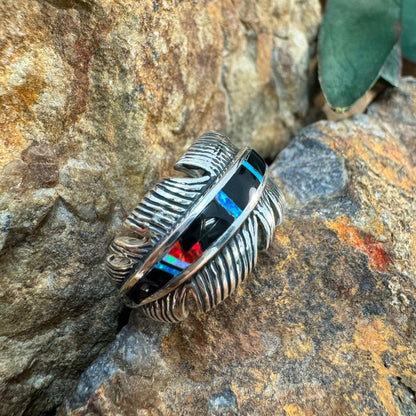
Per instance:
(190,256)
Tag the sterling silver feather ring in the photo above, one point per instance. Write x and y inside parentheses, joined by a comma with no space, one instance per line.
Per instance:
(192,240)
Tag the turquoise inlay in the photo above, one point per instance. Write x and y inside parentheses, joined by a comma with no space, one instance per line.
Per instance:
(167,269)
(252,170)
(228,204)
(176,262)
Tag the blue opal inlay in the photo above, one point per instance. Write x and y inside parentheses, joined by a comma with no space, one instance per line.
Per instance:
(228,204)
(252,170)
(175,262)
(167,269)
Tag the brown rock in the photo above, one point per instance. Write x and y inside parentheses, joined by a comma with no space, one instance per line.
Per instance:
(325,325)
(42,165)
(97,100)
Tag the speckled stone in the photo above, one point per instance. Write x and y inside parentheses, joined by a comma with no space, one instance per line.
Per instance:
(98,98)
(326,324)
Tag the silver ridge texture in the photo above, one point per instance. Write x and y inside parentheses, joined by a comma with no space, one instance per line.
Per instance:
(169,208)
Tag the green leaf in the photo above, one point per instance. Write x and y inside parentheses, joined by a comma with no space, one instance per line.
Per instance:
(391,71)
(356,38)
(409,29)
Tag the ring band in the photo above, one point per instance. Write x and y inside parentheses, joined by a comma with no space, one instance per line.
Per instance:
(192,240)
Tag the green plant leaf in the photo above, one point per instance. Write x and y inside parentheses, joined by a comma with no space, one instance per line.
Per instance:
(409,29)
(356,38)
(391,70)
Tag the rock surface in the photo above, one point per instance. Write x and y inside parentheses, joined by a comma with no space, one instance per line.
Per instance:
(326,324)
(97,100)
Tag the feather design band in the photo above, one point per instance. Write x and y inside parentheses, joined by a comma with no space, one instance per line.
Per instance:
(193,240)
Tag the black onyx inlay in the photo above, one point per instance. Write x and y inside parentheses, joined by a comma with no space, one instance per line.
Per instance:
(239,187)
(257,162)
(151,283)
(210,224)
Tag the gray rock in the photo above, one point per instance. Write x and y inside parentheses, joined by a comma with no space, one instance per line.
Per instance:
(223,403)
(310,169)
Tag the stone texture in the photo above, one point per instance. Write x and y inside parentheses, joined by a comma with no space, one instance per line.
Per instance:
(325,325)
(98,98)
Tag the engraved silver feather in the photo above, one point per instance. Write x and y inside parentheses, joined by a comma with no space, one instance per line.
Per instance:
(169,210)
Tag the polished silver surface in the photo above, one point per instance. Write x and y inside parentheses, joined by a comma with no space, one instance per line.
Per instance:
(170,207)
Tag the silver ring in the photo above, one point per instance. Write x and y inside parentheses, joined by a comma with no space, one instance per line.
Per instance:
(192,240)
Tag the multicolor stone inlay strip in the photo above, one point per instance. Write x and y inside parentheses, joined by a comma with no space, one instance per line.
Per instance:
(214,220)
